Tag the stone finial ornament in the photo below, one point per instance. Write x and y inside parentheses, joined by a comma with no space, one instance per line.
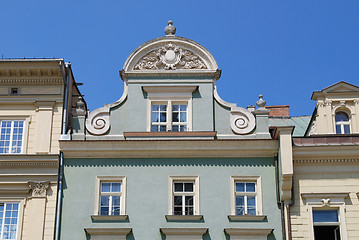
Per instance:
(80,105)
(261,103)
(170,30)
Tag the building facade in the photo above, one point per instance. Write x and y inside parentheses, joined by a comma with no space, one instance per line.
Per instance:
(325,202)
(31,116)
(170,159)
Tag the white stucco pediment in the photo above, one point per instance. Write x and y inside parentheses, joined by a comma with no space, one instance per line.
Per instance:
(341,87)
(170,55)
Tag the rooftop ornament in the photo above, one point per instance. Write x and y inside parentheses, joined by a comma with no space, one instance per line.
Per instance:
(170,30)
(261,103)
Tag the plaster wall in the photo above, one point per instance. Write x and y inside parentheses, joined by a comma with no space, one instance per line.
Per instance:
(35,120)
(147,194)
(331,178)
(124,119)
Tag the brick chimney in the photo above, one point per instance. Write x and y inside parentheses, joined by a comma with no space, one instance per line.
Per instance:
(278,110)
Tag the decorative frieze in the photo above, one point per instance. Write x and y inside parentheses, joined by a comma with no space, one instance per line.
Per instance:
(170,57)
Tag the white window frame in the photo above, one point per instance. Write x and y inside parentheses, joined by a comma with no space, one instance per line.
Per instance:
(326,201)
(170,95)
(101,179)
(195,181)
(169,121)
(26,120)
(21,202)
(258,181)
(342,123)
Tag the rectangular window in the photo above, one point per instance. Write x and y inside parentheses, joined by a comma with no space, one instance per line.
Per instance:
(326,225)
(9,215)
(110,198)
(184,195)
(169,116)
(245,198)
(11,136)
(183,198)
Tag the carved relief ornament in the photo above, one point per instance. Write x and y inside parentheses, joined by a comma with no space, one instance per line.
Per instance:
(168,57)
(38,189)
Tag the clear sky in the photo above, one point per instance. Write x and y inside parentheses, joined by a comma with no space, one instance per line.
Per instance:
(283,49)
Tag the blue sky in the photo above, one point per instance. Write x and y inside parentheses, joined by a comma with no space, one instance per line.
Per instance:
(283,49)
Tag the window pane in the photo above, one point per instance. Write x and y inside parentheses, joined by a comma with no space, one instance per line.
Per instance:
(346,129)
(154,128)
(251,201)
(116,187)
(163,117)
(178,187)
(341,117)
(183,117)
(175,107)
(177,200)
(325,216)
(239,210)
(155,117)
(155,108)
(177,210)
(239,187)
(175,117)
(105,187)
(338,129)
(183,108)
(239,200)
(188,210)
(175,128)
(250,187)
(189,200)
(183,128)
(163,108)
(163,128)
(251,211)
(188,187)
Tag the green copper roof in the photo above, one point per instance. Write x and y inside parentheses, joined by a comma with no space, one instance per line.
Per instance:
(300,123)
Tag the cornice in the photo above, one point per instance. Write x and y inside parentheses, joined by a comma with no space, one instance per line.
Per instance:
(326,152)
(325,195)
(168,148)
(334,160)
(213,74)
(32,81)
(25,160)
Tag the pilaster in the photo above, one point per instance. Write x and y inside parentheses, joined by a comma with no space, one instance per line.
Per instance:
(44,126)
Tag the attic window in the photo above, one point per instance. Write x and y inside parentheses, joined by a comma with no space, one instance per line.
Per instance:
(342,124)
(14,91)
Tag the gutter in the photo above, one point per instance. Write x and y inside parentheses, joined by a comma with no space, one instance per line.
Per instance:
(65,71)
(279,203)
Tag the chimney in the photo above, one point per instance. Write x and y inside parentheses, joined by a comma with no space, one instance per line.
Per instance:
(278,110)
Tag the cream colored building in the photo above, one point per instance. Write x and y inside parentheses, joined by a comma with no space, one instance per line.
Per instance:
(322,201)
(32,93)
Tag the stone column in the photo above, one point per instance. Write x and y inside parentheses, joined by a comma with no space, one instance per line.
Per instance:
(37,209)
(329,116)
(355,117)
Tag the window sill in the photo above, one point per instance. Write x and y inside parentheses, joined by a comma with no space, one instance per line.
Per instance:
(169,135)
(184,217)
(109,218)
(246,217)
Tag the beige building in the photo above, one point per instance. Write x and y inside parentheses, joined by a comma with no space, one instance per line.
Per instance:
(32,93)
(322,201)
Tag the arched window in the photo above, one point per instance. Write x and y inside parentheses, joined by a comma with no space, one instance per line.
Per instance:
(342,124)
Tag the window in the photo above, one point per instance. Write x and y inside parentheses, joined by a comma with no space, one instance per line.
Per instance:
(169,117)
(12,136)
(342,124)
(246,196)
(9,220)
(111,197)
(326,225)
(14,91)
(326,215)
(169,108)
(184,196)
